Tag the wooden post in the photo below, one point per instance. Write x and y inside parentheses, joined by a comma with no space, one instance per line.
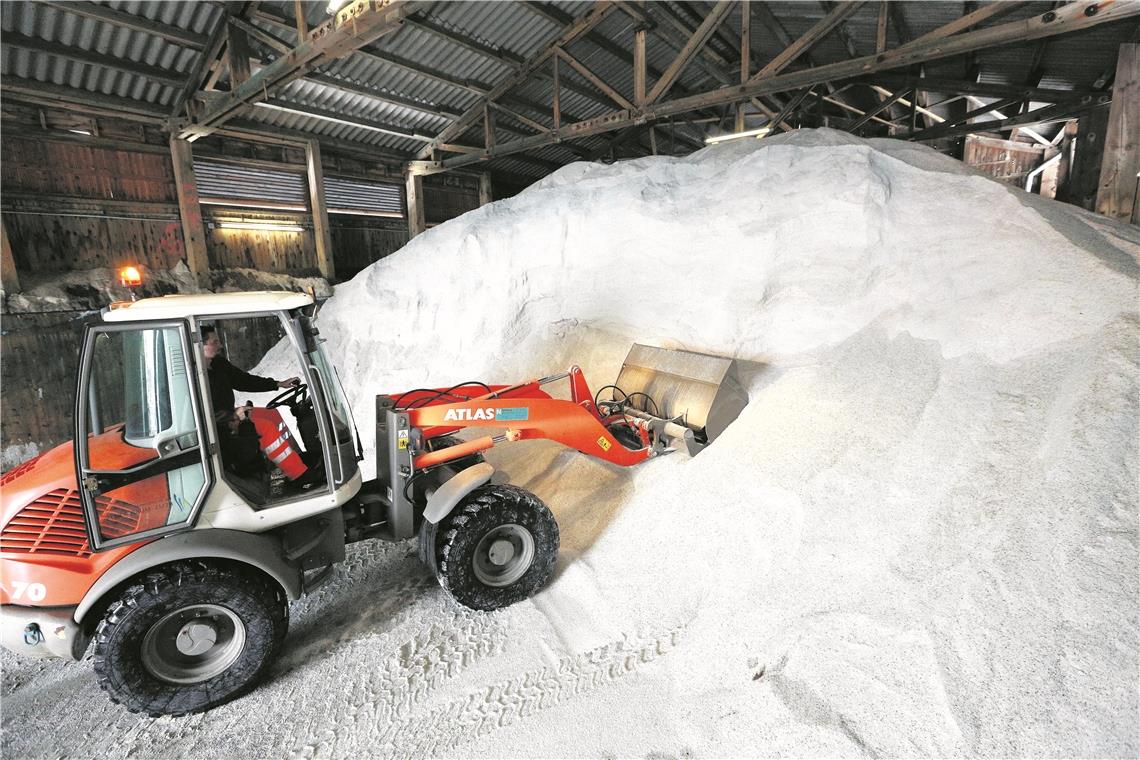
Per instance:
(321,232)
(488,127)
(190,210)
(639,66)
(302,24)
(414,187)
(1085,171)
(238,52)
(745,57)
(557,110)
(8,277)
(1116,192)
(484,188)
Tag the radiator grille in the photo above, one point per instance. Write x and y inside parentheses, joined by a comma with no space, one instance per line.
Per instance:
(54,524)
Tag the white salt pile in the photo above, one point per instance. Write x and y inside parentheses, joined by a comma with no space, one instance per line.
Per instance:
(920,538)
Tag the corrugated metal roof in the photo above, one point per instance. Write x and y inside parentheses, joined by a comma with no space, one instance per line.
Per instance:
(421,65)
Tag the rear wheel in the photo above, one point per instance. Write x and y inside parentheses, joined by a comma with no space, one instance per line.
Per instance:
(188,637)
(497,547)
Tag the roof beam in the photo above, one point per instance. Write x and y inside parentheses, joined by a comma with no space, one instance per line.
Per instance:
(807,40)
(1070,18)
(966,21)
(182,37)
(162,76)
(209,54)
(593,78)
(584,23)
(697,41)
(47,93)
(965,87)
(883,106)
(341,39)
(1045,115)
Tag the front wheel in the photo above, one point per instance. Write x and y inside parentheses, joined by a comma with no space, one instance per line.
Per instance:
(497,547)
(188,637)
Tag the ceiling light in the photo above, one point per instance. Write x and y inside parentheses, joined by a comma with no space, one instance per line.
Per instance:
(241,224)
(81,131)
(335,5)
(736,135)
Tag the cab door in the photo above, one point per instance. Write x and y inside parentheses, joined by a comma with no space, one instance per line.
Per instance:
(141,459)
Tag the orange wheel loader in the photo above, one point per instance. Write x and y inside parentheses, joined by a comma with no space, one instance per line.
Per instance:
(140,539)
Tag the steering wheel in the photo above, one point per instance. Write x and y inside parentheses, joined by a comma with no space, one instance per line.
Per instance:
(290,397)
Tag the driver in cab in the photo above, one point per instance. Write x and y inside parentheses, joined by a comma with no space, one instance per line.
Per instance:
(248,434)
(225,378)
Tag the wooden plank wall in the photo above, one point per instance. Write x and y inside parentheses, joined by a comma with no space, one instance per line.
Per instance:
(1006,162)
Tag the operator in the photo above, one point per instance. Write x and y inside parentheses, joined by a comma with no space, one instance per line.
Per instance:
(239,441)
(225,378)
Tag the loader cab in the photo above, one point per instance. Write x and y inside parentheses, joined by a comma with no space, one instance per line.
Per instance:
(149,447)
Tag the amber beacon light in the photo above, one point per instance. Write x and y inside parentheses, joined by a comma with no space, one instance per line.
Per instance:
(130,276)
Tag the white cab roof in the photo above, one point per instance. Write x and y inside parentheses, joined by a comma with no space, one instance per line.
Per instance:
(179,306)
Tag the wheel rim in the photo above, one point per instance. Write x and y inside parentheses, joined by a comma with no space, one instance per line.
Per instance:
(503,555)
(193,643)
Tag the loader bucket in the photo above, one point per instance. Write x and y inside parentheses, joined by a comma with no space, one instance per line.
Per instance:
(704,391)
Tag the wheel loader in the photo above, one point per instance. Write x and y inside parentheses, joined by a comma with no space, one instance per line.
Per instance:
(140,538)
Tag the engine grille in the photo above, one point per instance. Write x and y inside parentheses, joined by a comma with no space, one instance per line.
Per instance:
(54,524)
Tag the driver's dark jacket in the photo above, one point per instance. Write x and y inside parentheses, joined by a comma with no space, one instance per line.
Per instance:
(225,378)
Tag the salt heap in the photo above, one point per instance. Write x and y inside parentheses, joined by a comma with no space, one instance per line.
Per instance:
(920,538)
(921,535)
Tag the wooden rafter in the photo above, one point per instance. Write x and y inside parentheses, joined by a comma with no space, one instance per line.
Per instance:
(819,30)
(593,78)
(182,37)
(1044,115)
(883,106)
(586,22)
(163,76)
(695,43)
(318,49)
(1070,18)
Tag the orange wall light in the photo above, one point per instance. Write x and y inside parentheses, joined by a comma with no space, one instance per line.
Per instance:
(130,276)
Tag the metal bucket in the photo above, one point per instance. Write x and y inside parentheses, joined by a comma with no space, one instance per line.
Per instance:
(704,391)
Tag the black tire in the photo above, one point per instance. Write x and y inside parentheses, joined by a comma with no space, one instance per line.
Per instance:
(487,517)
(138,644)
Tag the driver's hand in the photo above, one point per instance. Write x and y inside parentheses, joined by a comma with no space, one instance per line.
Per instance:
(292,382)
(241,413)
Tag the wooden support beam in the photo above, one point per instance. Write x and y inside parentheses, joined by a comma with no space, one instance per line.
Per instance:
(1067,19)
(1045,115)
(208,57)
(183,37)
(47,93)
(745,56)
(314,170)
(9,279)
(583,24)
(488,127)
(351,121)
(484,188)
(594,79)
(818,31)
(163,76)
(1116,193)
(966,21)
(536,126)
(695,43)
(413,191)
(878,110)
(190,211)
(790,107)
(556,105)
(299,17)
(639,65)
(881,27)
(369,25)
(965,87)
(237,54)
